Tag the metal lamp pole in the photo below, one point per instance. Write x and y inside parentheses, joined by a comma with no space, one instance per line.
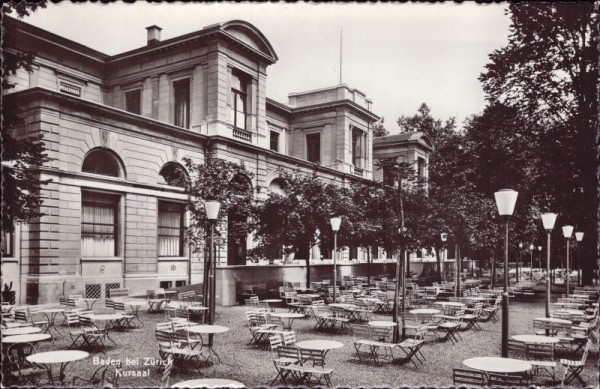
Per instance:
(578,238)
(335,227)
(505,201)
(531,247)
(444,238)
(519,260)
(212,214)
(567,233)
(548,220)
(540,259)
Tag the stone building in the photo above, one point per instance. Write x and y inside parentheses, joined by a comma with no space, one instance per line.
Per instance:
(117,129)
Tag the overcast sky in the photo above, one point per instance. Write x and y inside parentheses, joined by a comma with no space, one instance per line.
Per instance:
(400,55)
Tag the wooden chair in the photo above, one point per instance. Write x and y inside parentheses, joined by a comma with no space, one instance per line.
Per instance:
(164,382)
(286,356)
(508,380)
(468,377)
(93,336)
(103,377)
(184,337)
(574,367)
(169,345)
(75,332)
(363,346)
(18,366)
(516,349)
(541,356)
(412,347)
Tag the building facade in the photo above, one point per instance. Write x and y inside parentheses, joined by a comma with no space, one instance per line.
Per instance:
(118,128)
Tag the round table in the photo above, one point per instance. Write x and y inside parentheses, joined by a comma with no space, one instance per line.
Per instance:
(209,383)
(320,345)
(449,303)
(341,305)
(62,357)
(196,311)
(290,316)
(424,311)
(14,325)
(498,365)
(535,339)
(109,318)
(274,301)
(26,338)
(51,316)
(87,302)
(21,331)
(210,330)
(553,320)
(382,323)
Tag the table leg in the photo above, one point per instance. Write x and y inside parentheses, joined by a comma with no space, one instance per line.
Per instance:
(51,319)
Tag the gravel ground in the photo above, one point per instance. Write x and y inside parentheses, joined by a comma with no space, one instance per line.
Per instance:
(254,367)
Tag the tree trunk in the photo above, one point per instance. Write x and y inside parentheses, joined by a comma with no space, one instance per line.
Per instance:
(439,264)
(408,267)
(493,263)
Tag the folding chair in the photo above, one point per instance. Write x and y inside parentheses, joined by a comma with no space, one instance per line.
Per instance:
(361,334)
(508,380)
(93,336)
(573,368)
(183,336)
(541,356)
(18,365)
(76,334)
(412,347)
(286,356)
(317,370)
(516,349)
(127,319)
(103,377)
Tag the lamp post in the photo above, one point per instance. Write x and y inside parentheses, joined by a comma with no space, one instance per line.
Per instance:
(568,233)
(505,201)
(335,227)
(519,260)
(212,214)
(578,238)
(399,281)
(531,248)
(548,220)
(444,238)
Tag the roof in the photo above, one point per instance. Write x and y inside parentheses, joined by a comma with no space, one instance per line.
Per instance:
(405,137)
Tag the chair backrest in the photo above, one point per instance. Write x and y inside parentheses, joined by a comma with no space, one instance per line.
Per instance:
(170,313)
(288,352)
(17,352)
(381,334)
(87,323)
(71,303)
(540,352)
(469,377)
(119,306)
(62,301)
(118,292)
(164,326)
(21,316)
(276,341)
(72,318)
(507,379)
(75,296)
(164,382)
(182,313)
(289,338)
(515,347)
(164,338)
(109,304)
(361,332)
(317,357)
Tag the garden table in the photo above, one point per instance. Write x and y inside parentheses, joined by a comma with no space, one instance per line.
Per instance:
(14,325)
(25,338)
(553,320)
(322,345)
(424,311)
(498,365)
(272,301)
(382,323)
(287,325)
(196,312)
(210,330)
(62,357)
(21,331)
(209,383)
(89,302)
(535,339)
(51,317)
(109,318)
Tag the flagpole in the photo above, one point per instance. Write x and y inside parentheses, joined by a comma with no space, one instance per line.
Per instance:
(340,55)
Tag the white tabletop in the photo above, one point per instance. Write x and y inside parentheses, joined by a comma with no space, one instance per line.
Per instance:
(342,305)
(51,310)
(288,315)
(424,311)
(60,356)
(209,383)
(319,344)
(134,302)
(29,338)
(14,325)
(106,316)
(535,339)
(382,323)
(573,312)
(497,364)
(207,329)
(553,320)
(21,331)
(196,308)
(272,301)
(450,303)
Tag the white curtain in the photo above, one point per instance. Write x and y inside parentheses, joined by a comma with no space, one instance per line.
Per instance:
(169,233)
(98,230)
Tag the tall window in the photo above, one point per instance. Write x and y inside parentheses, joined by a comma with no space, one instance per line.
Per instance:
(170,229)
(99,224)
(356,146)
(274,141)
(101,161)
(173,174)
(421,167)
(239,94)
(8,244)
(133,101)
(313,148)
(181,91)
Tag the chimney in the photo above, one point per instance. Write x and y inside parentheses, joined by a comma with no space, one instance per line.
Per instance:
(153,34)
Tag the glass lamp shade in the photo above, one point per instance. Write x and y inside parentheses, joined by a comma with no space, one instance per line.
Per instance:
(548,220)
(567,231)
(335,223)
(579,236)
(212,209)
(505,201)
(531,247)
(520,245)
(444,236)
(539,248)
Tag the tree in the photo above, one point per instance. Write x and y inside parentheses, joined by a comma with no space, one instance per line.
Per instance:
(379,130)
(300,219)
(23,154)
(548,73)
(228,183)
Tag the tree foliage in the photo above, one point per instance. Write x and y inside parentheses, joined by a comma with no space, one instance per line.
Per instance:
(379,129)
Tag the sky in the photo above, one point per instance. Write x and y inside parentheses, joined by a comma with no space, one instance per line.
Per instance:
(399,55)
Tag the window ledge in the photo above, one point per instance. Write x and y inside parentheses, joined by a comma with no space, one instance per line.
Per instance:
(101,259)
(9,259)
(166,259)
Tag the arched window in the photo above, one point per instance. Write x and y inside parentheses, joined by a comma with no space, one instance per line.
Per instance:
(173,174)
(278,186)
(102,161)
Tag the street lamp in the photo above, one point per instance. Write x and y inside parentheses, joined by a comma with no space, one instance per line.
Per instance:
(505,201)
(444,238)
(519,259)
(531,247)
(335,227)
(578,238)
(212,214)
(540,259)
(548,220)
(567,233)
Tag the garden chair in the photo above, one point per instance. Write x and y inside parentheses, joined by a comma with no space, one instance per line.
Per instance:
(103,377)
(184,337)
(516,349)
(165,326)
(541,357)
(471,317)
(289,338)
(259,329)
(450,326)
(277,321)
(169,345)
(574,367)
(166,376)
(127,318)
(286,357)
(93,336)
(508,380)
(361,334)
(491,311)
(40,322)
(75,332)
(412,347)
(468,377)
(18,366)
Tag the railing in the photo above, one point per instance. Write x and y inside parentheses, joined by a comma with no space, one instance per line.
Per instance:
(242,134)
(358,171)
(70,89)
